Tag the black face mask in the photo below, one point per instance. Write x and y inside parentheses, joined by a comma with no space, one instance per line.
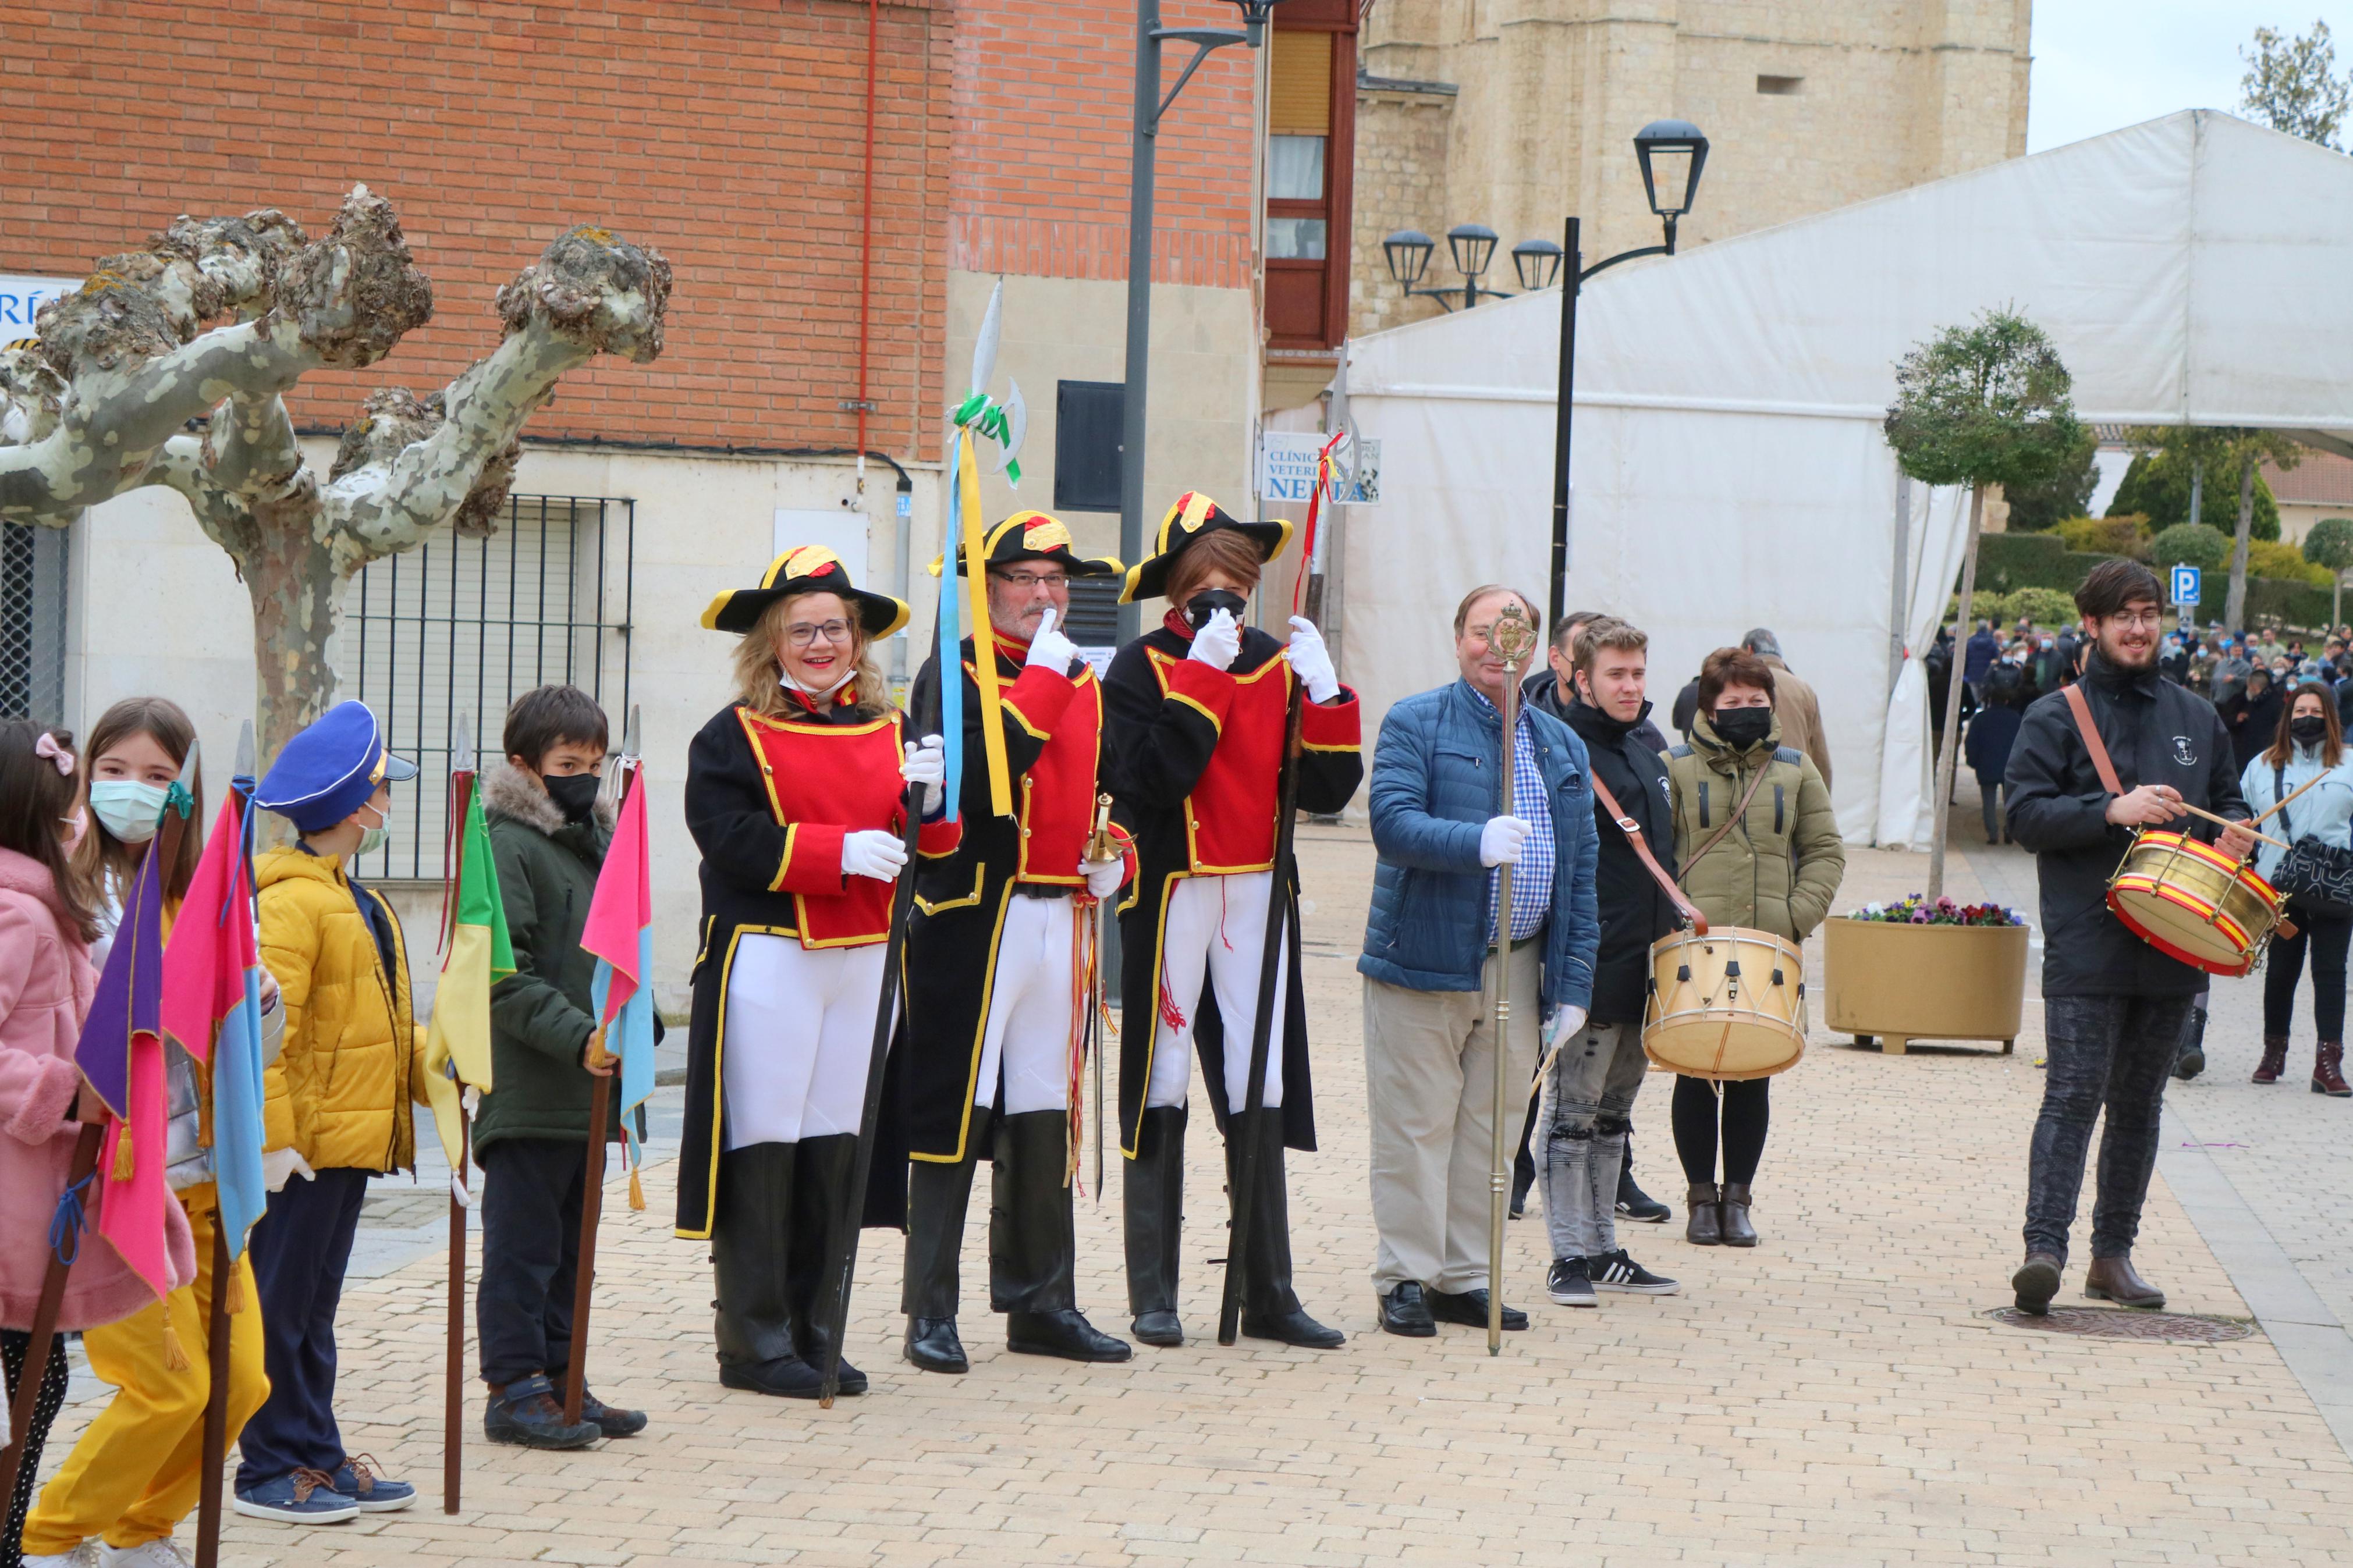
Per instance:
(2309,731)
(575,795)
(1741,728)
(1209,601)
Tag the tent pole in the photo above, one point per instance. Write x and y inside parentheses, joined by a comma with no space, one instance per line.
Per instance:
(1950,752)
(1897,605)
(1572,263)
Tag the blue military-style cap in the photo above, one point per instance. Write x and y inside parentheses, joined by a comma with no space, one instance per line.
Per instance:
(328,770)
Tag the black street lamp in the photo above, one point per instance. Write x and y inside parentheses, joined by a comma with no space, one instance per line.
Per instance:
(1672,153)
(1473,246)
(1150,105)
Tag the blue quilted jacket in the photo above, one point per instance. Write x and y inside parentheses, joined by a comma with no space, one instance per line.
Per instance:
(1435,785)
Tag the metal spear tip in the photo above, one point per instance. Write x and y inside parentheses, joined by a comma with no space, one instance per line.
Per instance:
(632,743)
(245,758)
(984,345)
(461,744)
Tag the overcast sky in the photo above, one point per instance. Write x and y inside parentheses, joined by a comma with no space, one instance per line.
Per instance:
(2101,65)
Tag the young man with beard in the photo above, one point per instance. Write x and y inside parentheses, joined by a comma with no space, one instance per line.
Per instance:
(1589,1093)
(2113,1003)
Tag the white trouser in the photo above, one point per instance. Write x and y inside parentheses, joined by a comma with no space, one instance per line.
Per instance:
(1028,1028)
(1217,925)
(799,1034)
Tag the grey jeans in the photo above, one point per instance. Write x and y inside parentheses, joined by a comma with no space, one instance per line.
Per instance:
(2103,1052)
(1588,1097)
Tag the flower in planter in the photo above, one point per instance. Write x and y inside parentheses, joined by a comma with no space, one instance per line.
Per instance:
(1918,911)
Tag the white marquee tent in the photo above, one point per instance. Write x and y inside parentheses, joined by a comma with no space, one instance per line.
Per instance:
(1729,465)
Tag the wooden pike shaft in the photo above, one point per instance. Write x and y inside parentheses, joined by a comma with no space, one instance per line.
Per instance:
(453,1390)
(592,1210)
(215,1449)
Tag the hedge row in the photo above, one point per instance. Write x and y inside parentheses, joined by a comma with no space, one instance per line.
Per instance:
(2008,562)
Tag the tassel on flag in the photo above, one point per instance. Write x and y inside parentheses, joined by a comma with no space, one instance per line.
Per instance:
(121,1054)
(620,933)
(212,1007)
(458,1044)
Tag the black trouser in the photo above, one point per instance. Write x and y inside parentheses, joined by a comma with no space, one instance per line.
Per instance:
(2103,1052)
(532,1189)
(1746,1108)
(14,1344)
(2329,938)
(300,1249)
(1989,802)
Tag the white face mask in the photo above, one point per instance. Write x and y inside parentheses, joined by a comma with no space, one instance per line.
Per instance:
(130,809)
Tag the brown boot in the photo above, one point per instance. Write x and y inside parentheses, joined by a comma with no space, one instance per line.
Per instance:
(2274,1061)
(1705,1226)
(1737,1231)
(2113,1279)
(2327,1070)
(2036,1281)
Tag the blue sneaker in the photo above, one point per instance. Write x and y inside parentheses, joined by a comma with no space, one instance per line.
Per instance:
(303,1497)
(356,1479)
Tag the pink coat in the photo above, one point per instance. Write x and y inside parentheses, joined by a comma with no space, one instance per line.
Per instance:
(46,983)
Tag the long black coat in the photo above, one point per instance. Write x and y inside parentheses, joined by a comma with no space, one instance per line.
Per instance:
(1635,910)
(1155,748)
(2155,733)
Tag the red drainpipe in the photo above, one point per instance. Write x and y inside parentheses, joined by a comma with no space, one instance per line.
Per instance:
(866,234)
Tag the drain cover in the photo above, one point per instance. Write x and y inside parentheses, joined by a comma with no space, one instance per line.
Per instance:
(2121,1323)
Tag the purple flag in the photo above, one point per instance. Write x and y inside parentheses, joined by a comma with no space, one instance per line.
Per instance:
(129,995)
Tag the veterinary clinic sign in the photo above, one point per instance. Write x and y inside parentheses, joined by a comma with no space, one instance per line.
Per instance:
(1286,469)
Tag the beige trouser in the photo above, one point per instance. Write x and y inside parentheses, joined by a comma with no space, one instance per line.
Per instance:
(1429,1073)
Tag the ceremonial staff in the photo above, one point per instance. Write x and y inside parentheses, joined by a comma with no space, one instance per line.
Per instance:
(1514,638)
(453,1393)
(72,1218)
(1278,903)
(591,1185)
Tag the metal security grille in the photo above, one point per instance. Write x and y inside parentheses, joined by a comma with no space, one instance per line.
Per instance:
(32,623)
(466,626)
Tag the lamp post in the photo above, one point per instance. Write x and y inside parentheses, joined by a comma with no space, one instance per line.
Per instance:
(1473,245)
(1672,153)
(1150,105)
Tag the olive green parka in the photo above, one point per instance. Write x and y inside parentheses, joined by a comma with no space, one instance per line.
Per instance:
(1779,868)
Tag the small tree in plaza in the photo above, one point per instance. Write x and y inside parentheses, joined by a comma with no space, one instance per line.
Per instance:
(1986,403)
(2231,453)
(2330,544)
(214,320)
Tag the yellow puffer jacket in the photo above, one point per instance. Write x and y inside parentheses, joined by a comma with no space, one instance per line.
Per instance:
(338,1093)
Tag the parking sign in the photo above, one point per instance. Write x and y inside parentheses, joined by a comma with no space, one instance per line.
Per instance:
(2185,584)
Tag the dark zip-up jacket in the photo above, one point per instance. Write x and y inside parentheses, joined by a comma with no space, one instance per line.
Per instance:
(1635,910)
(2156,733)
(1542,689)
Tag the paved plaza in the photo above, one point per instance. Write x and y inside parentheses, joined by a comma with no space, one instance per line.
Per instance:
(1835,1397)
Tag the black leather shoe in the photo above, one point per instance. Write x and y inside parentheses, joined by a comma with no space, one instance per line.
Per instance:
(932,1344)
(1158,1329)
(1292,1328)
(1469,1307)
(2036,1281)
(786,1377)
(1403,1311)
(1063,1332)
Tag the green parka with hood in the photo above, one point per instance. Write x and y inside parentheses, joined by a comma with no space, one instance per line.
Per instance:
(1778,867)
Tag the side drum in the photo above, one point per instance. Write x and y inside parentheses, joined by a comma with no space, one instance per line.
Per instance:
(1728,1004)
(2194,903)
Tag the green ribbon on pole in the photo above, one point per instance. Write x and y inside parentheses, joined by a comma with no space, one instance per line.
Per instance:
(981,413)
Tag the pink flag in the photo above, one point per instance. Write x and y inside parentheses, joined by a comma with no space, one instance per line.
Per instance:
(620,933)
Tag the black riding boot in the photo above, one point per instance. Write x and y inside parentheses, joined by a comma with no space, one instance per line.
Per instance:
(1153,1195)
(750,1240)
(1270,1308)
(937,1195)
(820,1187)
(2191,1061)
(1033,1247)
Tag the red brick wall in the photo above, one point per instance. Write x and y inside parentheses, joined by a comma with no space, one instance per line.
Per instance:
(1045,97)
(726,134)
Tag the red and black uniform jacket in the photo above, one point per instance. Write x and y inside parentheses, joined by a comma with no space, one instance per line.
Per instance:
(1052,725)
(769,802)
(1195,761)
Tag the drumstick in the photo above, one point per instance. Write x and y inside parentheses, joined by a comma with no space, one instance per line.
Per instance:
(2291,795)
(2226,822)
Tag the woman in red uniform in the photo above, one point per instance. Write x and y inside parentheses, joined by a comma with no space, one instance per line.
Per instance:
(795,794)
(1193,731)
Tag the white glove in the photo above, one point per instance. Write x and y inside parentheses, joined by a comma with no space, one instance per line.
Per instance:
(1051,647)
(1104,877)
(1563,1023)
(1312,661)
(280,1164)
(1218,640)
(1499,841)
(870,852)
(926,763)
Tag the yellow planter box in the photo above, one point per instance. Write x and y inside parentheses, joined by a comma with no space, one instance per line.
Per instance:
(1895,984)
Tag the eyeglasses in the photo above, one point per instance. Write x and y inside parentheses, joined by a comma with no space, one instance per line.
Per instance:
(1026,580)
(801,634)
(2152,619)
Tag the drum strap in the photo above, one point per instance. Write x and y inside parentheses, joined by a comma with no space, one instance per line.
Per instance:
(2092,741)
(1633,832)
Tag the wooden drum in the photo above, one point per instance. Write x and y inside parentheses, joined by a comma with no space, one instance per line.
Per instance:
(2194,903)
(1727,1005)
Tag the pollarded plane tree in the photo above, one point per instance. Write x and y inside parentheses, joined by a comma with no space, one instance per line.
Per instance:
(214,320)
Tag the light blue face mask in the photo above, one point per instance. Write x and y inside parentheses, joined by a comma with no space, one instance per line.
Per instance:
(129,809)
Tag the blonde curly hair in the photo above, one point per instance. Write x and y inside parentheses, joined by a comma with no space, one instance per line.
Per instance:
(757,671)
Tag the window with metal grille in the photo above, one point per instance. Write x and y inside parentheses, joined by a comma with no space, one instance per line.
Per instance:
(32,623)
(461,627)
